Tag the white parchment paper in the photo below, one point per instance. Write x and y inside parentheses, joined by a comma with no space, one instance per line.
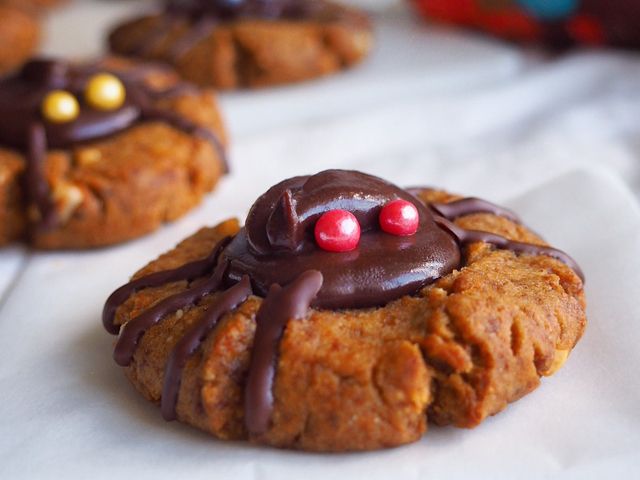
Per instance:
(68,412)
(556,141)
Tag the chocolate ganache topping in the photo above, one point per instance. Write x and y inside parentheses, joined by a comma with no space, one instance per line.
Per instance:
(24,127)
(275,257)
(278,243)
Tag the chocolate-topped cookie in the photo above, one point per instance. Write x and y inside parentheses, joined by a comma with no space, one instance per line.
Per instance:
(345,314)
(248,43)
(99,153)
(19,36)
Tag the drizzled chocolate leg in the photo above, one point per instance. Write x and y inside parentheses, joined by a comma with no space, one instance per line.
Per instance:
(37,188)
(281,305)
(465,237)
(134,330)
(467,206)
(188,272)
(156,36)
(201,30)
(180,123)
(227,301)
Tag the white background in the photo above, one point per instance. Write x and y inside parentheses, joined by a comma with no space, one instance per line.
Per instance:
(556,138)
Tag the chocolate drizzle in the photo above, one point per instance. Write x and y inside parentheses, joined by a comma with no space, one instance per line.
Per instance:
(198,32)
(465,237)
(132,332)
(37,191)
(187,345)
(281,305)
(23,127)
(156,36)
(276,248)
(187,272)
(467,206)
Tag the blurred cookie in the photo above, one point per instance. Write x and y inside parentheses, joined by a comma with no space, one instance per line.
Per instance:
(250,43)
(19,36)
(96,154)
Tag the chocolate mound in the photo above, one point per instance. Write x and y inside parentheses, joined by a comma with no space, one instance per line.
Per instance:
(277,243)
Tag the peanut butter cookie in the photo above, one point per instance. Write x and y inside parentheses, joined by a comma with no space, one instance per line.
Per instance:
(96,154)
(346,314)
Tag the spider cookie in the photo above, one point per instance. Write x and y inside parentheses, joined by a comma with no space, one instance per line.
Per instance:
(96,154)
(345,314)
(19,36)
(248,43)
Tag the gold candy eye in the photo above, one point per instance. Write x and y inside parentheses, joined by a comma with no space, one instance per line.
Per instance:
(60,107)
(105,92)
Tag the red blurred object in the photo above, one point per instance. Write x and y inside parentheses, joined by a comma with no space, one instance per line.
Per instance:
(582,22)
(586,30)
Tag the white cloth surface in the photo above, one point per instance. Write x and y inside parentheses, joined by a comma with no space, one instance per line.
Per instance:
(557,140)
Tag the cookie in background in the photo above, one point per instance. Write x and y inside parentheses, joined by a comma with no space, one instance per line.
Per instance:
(249,43)
(19,37)
(98,153)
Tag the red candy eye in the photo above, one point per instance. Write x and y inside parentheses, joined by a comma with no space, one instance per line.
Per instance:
(399,218)
(337,231)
